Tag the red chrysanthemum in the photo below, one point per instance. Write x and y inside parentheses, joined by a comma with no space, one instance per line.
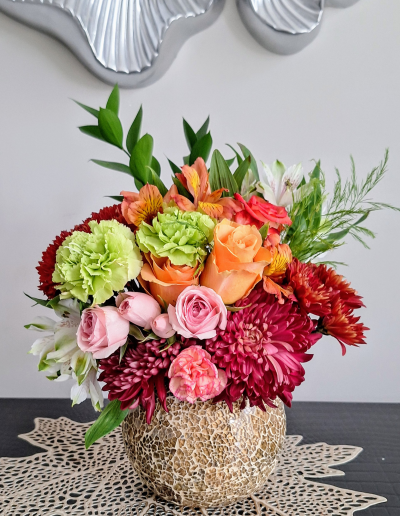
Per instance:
(47,264)
(337,285)
(311,293)
(143,368)
(262,348)
(343,325)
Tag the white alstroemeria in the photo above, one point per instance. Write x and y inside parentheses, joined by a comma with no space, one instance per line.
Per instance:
(279,185)
(59,354)
(90,387)
(248,187)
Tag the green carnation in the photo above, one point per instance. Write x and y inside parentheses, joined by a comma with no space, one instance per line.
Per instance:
(181,236)
(97,263)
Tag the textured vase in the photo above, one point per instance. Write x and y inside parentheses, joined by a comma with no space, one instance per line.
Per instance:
(202,455)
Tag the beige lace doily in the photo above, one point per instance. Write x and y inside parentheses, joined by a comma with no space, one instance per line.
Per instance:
(66,480)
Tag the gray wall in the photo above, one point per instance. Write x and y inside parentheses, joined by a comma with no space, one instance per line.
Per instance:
(339,96)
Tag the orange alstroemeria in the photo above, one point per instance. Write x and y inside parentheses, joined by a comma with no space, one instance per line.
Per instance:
(165,281)
(274,273)
(142,206)
(195,180)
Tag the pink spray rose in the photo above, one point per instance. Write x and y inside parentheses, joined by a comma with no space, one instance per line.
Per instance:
(162,327)
(138,308)
(102,331)
(198,312)
(193,376)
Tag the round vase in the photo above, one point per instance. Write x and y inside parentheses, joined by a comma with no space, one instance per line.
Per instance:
(203,455)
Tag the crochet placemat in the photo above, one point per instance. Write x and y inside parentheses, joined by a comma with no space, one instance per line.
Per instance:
(67,480)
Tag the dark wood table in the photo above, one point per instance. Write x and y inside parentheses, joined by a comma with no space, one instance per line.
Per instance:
(375,427)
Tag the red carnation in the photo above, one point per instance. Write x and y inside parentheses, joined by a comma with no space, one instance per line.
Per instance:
(262,348)
(143,368)
(258,212)
(47,263)
(312,295)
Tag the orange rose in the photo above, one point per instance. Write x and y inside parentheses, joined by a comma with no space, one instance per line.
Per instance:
(159,277)
(237,261)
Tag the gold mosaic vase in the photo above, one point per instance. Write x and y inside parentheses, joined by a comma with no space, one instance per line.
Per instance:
(202,455)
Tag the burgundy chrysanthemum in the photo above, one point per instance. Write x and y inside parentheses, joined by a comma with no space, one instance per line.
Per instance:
(262,349)
(143,368)
(46,265)
(311,294)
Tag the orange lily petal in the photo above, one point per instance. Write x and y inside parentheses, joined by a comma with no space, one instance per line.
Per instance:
(146,207)
(193,181)
(212,210)
(201,169)
(273,288)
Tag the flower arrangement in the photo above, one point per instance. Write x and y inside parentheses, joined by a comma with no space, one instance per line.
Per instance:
(213,289)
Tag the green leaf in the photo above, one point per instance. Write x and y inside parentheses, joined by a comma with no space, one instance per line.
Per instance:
(221,176)
(156,181)
(238,156)
(92,111)
(134,131)
(181,189)
(186,160)
(339,235)
(253,165)
(42,302)
(155,165)
(111,417)
(264,231)
(118,198)
(122,350)
(113,166)
(189,135)
(230,162)
(237,308)
(136,332)
(141,159)
(175,168)
(93,131)
(241,171)
(110,127)
(203,129)
(150,336)
(201,149)
(113,100)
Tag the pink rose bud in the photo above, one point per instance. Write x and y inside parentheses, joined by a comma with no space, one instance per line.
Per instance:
(102,331)
(138,308)
(193,376)
(198,312)
(162,327)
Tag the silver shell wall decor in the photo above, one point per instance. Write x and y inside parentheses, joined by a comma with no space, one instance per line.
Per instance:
(132,42)
(285,26)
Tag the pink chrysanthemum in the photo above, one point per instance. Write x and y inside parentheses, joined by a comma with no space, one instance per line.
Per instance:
(262,349)
(143,368)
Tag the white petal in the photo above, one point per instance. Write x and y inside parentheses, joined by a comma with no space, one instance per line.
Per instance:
(286,199)
(79,393)
(267,192)
(39,345)
(293,175)
(41,324)
(68,308)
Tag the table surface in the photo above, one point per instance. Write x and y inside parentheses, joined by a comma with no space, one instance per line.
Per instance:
(372,426)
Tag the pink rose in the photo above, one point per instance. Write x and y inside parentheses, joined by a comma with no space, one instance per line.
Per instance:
(162,327)
(102,331)
(198,312)
(193,376)
(138,308)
